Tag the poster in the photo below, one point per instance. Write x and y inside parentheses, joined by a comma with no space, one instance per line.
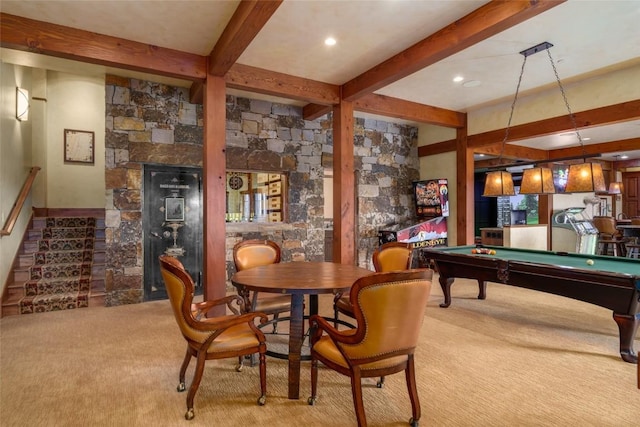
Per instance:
(432,198)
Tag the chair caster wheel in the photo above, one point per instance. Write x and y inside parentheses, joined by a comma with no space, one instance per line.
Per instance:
(181,387)
(189,415)
(262,400)
(311,400)
(379,384)
(239,367)
(414,423)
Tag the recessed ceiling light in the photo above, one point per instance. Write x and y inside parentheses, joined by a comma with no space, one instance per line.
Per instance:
(330,41)
(624,156)
(458,79)
(471,83)
(586,139)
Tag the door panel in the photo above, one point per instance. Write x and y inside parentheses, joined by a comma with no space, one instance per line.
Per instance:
(631,193)
(172,224)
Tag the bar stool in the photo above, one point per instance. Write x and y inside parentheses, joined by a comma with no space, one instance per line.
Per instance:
(633,249)
(615,246)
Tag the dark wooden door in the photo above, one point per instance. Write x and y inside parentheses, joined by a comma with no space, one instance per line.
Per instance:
(172,224)
(631,193)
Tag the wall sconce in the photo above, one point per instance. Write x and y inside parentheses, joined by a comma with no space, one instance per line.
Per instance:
(22,104)
(615,188)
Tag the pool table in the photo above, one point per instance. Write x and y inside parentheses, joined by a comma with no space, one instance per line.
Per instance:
(610,282)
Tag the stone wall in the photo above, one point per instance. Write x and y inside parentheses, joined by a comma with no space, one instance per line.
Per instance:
(154,123)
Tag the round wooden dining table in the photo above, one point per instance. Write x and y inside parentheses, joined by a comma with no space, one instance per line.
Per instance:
(299,279)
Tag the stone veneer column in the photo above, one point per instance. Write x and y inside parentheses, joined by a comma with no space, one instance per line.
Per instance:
(153,123)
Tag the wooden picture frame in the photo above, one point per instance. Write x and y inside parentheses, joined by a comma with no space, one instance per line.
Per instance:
(174,209)
(79,146)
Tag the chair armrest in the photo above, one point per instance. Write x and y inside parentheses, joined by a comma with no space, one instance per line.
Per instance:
(224,322)
(322,325)
(200,308)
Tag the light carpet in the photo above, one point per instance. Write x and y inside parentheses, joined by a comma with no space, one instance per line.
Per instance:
(519,358)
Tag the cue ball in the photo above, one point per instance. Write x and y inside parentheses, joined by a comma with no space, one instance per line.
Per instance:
(590,262)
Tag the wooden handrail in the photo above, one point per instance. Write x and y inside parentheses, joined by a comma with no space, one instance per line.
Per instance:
(17,206)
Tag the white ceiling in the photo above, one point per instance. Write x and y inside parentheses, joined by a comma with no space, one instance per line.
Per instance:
(589,37)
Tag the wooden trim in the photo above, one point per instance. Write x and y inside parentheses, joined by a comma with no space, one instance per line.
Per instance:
(69,212)
(65,42)
(214,190)
(315,111)
(247,21)
(17,206)
(245,77)
(486,21)
(621,112)
(344,199)
(407,110)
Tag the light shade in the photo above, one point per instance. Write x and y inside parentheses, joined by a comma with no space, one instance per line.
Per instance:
(537,181)
(585,178)
(22,104)
(615,188)
(498,183)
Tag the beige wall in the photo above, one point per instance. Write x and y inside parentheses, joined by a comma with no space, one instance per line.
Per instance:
(74,102)
(15,162)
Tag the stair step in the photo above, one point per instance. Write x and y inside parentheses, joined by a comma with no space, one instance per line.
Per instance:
(60,266)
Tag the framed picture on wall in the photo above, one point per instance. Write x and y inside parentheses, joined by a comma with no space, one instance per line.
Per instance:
(79,146)
(174,209)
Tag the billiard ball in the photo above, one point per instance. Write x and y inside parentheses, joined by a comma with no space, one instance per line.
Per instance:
(590,262)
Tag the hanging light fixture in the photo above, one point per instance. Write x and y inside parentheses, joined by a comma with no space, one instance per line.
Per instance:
(500,182)
(615,188)
(537,180)
(586,177)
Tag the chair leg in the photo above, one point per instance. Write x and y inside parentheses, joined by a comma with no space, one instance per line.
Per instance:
(380,382)
(275,323)
(197,377)
(335,318)
(263,379)
(410,373)
(356,390)
(314,382)
(183,370)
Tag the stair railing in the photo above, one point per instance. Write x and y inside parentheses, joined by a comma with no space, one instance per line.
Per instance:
(17,206)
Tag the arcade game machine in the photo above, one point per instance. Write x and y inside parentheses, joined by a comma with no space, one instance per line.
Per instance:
(430,228)
(573,231)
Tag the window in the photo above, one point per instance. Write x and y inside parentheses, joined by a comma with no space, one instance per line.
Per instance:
(255,196)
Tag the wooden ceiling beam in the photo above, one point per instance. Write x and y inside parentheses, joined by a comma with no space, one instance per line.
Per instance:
(315,111)
(267,82)
(488,20)
(407,110)
(246,22)
(593,149)
(64,42)
(610,114)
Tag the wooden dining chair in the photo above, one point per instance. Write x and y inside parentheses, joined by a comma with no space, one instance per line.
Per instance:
(389,310)
(227,336)
(390,256)
(254,253)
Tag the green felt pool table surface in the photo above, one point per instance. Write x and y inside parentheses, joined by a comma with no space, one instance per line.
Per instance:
(570,260)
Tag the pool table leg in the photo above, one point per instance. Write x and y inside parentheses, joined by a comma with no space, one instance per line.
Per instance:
(445,284)
(482,289)
(627,326)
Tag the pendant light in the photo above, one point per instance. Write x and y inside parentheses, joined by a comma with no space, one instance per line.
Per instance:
(586,177)
(500,183)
